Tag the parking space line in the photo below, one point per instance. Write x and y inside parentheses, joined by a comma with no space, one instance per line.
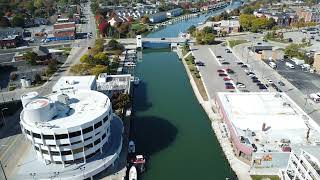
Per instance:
(215,57)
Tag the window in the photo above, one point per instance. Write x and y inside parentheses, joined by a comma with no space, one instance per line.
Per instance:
(91,155)
(77,142)
(88,146)
(48,137)
(97,134)
(68,152)
(105,119)
(61,136)
(86,130)
(78,150)
(54,153)
(74,134)
(103,135)
(87,138)
(97,141)
(97,125)
(79,160)
(52,145)
(44,151)
(36,135)
(62,145)
(57,162)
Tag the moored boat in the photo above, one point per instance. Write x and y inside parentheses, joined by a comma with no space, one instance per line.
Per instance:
(132,147)
(133,175)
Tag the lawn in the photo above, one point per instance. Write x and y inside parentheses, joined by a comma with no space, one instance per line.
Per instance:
(233,43)
(265,177)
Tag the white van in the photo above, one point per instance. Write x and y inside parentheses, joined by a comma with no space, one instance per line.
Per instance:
(273,65)
(291,66)
(315,97)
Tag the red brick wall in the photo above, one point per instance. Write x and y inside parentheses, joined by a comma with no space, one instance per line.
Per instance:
(62,26)
(64,34)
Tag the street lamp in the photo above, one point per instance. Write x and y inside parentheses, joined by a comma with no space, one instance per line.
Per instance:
(4,174)
(3,119)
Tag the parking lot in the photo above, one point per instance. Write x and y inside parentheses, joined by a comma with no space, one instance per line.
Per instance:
(214,82)
(305,81)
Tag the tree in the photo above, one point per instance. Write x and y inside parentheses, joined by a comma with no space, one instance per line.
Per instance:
(192,29)
(246,21)
(114,44)
(101,58)
(120,100)
(30,57)
(37,78)
(17,21)
(145,20)
(38,3)
(271,23)
(98,69)
(292,50)
(4,22)
(207,29)
(208,38)
(86,59)
(52,67)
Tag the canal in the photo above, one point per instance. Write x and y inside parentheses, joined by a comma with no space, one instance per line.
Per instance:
(169,125)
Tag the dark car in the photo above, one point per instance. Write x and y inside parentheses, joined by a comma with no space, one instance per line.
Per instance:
(219,56)
(200,63)
(163,38)
(281,83)
(228,84)
(220,71)
(230,71)
(225,63)
(255,80)
(89,47)
(223,74)
(262,87)
(244,66)
(240,63)
(228,50)
(290,40)
(254,77)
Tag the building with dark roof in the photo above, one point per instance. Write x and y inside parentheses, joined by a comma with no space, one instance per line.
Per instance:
(10,37)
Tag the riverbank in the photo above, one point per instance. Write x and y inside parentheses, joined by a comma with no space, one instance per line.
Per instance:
(241,169)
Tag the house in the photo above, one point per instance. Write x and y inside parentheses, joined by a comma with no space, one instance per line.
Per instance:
(158,17)
(64,30)
(309,15)
(11,37)
(174,12)
(42,52)
(281,18)
(230,26)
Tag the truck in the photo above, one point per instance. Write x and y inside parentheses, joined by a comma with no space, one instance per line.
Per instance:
(291,66)
(315,97)
(297,61)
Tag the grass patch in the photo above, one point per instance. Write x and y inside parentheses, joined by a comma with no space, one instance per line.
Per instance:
(265,177)
(233,43)
(196,76)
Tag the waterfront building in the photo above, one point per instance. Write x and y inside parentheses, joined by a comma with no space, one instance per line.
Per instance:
(109,84)
(230,26)
(174,12)
(265,127)
(74,135)
(158,17)
(75,83)
(304,163)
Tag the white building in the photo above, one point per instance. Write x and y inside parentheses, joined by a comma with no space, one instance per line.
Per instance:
(75,82)
(174,12)
(109,84)
(73,133)
(264,127)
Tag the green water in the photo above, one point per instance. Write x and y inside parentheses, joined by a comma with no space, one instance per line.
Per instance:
(170,126)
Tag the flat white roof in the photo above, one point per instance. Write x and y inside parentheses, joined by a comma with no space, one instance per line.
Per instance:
(282,117)
(75,82)
(85,106)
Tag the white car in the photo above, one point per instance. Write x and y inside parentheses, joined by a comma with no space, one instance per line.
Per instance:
(241,86)
(270,81)
(251,75)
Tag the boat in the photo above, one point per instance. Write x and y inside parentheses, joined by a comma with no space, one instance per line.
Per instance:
(132,147)
(136,80)
(139,162)
(133,175)
(169,22)
(129,64)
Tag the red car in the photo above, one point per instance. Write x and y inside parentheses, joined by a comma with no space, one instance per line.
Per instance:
(230,87)
(227,79)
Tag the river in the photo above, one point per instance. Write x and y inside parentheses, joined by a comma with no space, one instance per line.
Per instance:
(169,125)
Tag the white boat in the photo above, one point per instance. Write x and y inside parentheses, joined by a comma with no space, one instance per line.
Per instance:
(132,147)
(169,22)
(129,64)
(136,80)
(133,173)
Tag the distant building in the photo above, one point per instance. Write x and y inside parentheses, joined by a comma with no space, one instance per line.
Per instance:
(42,52)
(64,30)
(309,15)
(158,17)
(281,18)
(230,26)
(116,20)
(265,127)
(174,12)
(11,37)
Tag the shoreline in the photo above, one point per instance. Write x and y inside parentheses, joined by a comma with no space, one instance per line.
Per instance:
(240,168)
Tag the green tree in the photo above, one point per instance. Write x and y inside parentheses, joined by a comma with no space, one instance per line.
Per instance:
(101,58)
(207,29)
(38,3)
(30,57)
(292,50)
(98,69)
(37,78)
(192,29)
(145,20)
(17,21)
(86,59)
(246,21)
(208,38)
(114,44)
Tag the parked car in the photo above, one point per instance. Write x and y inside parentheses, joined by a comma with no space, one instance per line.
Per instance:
(230,87)
(256,80)
(270,81)
(228,84)
(262,87)
(281,83)
(240,63)
(163,38)
(227,79)
(227,50)
(254,77)
(240,85)
(223,74)
(219,57)
(225,63)
(221,71)
(244,66)
(230,71)
(199,63)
